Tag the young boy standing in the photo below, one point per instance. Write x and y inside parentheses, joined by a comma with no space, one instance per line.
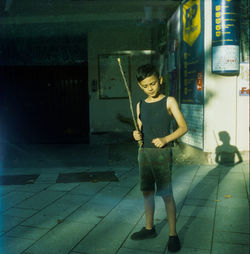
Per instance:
(155,156)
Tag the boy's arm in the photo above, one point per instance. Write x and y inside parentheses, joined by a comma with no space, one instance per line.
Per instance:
(137,134)
(182,125)
(139,123)
(173,108)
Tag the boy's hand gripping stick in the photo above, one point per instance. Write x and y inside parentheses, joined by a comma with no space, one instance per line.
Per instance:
(130,99)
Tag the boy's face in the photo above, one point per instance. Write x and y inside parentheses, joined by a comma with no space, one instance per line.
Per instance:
(151,85)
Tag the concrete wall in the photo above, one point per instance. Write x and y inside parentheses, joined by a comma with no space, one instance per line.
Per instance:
(222,98)
(103,112)
(242,138)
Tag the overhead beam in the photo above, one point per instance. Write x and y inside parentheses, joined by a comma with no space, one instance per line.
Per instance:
(81,11)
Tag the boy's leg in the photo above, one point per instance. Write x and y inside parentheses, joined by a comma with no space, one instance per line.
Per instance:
(171,213)
(147,185)
(149,230)
(149,206)
(173,241)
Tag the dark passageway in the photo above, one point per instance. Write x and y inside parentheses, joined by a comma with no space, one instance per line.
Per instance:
(45,104)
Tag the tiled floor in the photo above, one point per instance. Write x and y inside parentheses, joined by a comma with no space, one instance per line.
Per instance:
(98,218)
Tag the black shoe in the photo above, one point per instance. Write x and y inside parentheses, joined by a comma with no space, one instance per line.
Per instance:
(144,234)
(174,243)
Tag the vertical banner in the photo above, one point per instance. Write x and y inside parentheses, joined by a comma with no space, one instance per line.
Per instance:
(192,70)
(226,36)
(192,52)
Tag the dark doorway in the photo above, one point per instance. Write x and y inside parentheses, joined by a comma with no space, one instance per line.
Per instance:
(44,104)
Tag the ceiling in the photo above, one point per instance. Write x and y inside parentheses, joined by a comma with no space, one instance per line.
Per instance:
(56,11)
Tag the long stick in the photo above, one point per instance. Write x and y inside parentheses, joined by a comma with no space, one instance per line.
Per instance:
(130,99)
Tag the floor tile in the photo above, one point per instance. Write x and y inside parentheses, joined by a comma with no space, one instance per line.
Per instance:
(196,211)
(234,169)
(8,222)
(109,238)
(63,238)
(222,248)
(228,200)
(56,212)
(231,238)
(191,251)
(200,202)
(90,212)
(71,199)
(179,195)
(208,171)
(23,232)
(74,217)
(129,203)
(13,198)
(200,179)
(42,220)
(20,212)
(88,188)
(247,185)
(160,209)
(202,191)
(5,189)
(135,193)
(12,245)
(195,232)
(235,189)
(134,251)
(239,176)
(183,176)
(74,252)
(156,245)
(233,185)
(63,186)
(227,195)
(111,195)
(128,216)
(36,187)
(126,181)
(45,198)
(232,219)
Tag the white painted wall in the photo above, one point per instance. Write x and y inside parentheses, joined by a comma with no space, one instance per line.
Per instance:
(221,110)
(243,109)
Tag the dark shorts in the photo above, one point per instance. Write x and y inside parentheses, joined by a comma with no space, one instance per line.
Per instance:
(155,168)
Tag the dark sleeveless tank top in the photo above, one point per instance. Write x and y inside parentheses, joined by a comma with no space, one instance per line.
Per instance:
(155,121)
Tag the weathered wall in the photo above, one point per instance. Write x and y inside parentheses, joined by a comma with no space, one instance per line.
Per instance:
(103,112)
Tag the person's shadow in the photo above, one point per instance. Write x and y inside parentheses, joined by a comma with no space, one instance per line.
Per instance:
(226,158)
(226,153)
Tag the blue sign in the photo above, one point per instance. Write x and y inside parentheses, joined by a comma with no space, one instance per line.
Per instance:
(226,36)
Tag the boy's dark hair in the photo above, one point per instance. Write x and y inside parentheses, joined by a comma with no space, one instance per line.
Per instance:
(145,71)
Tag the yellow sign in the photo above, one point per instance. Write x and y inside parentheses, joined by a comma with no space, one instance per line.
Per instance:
(191,21)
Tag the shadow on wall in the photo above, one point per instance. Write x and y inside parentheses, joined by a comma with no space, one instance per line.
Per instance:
(226,153)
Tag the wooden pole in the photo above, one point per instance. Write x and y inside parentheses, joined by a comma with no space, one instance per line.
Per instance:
(130,99)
